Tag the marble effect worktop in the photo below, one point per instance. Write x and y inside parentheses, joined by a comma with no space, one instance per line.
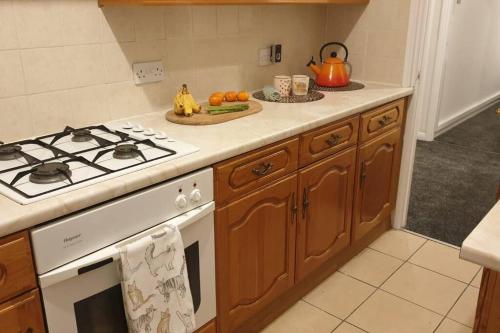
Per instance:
(216,142)
(482,246)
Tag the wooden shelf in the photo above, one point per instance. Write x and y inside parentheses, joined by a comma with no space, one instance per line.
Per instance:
(224,2)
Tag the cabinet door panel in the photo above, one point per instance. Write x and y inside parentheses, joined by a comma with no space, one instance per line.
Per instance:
(255,248)
(22,314)
(326,193)
(376,184)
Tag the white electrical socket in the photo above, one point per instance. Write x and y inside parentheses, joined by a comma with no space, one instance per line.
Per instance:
(146,72)
(265,56)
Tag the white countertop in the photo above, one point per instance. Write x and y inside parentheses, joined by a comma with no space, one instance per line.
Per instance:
(216,143)
(482,246)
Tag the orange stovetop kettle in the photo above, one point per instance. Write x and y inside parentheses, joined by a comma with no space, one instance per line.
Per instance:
(333,72)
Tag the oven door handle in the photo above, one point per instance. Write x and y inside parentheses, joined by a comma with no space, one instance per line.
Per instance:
(71,269)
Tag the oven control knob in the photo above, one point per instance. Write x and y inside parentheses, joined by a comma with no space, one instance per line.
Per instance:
(181,201)
(149,132)
(161,136)
(127,125)
(195,196)
(138,128)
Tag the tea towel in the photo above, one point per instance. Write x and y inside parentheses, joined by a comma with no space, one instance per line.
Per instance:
(155,284)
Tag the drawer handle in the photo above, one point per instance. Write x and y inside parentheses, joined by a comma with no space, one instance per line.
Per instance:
(384,121)
(3,273)
(263,169)
(333,140)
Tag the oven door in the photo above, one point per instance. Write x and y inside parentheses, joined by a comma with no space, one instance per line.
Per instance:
(85,295)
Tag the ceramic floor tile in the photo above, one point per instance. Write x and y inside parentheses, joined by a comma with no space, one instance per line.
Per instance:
(371,266)
(397,243)
(476,282)
(465,309)
(445,260)
(339,295)
(386,313)
(450,326)
(303,318)
(345,327)
(425,288)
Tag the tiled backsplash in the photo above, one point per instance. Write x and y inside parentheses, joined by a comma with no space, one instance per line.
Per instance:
(69,62)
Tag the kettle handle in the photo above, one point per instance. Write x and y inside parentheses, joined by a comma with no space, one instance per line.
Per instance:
(333,43)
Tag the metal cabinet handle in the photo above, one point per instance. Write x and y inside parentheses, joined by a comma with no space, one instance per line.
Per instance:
(333,140)
(305,203)
(263,169)
(384,121)
(294,208)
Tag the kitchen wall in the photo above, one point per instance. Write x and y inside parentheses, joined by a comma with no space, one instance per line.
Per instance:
(472,65)
(375,35)
(69,62)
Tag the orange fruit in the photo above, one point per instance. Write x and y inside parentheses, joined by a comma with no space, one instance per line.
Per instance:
(215,100)
(218,93)
(231,96)
(243,96)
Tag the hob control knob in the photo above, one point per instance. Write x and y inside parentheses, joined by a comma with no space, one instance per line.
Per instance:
(181,201)
(195,196)
(138,128)
(149,132)
(160,136)
(127,125)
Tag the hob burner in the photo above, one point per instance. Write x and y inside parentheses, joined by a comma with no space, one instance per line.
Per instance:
(10,152)
(49,173)
(126,151)
(81,135)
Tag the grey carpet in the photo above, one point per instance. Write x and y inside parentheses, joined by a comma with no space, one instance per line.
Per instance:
(455,179)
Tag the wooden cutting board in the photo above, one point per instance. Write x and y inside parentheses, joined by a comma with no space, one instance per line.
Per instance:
(203,118)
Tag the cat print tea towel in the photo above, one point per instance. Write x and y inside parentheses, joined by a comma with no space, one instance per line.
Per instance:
(155,284)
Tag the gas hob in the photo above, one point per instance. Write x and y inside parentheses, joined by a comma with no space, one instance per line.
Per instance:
(46,166)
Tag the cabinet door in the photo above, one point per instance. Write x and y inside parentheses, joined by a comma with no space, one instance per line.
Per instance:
(325,208)
(22,314)
(376,182)
(255,251)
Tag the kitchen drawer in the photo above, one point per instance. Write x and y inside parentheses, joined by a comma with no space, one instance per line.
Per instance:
(249,171)
(16,266)
(382,119)
(22,314)
(324,141)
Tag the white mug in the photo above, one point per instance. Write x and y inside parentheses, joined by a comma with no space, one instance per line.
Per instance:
(300,85)
(283,84)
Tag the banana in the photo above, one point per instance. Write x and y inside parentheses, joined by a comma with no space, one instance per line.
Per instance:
(178,103)
(184,103)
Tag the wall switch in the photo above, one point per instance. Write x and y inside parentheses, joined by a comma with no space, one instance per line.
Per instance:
(265,56)
(276,53)
(146,72)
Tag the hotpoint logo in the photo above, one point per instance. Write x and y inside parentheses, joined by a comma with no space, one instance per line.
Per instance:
(71,238)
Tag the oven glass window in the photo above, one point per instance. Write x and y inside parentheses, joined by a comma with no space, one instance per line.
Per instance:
(104,312)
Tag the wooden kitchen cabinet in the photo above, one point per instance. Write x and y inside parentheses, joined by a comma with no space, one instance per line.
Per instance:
(226,2)
(255,251)
(325,207)
(376,182)
(22,314)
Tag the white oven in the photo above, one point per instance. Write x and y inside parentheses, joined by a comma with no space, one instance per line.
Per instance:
(84,294)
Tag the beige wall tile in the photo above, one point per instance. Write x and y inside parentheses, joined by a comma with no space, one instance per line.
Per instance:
(51,112)
(38,23)
(179,54)
(303,318)
(425,288)
(118,61)
(339,295)
(399,244)
(81,20)
(464,311)
(16,119)
(8,35)
(227,20)
(204,21)
(125,100)
(89,105)
(45,69)
(224,78)
(85,65)
(178,21)
(371,267)
(385,313)
(149,23)
(117,24)
(11,74)
(450,326)
(444,260)
(248,19)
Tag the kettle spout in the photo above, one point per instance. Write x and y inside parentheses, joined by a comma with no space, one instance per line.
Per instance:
(312,65)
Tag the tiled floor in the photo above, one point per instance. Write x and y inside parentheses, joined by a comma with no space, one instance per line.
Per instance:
(402,283)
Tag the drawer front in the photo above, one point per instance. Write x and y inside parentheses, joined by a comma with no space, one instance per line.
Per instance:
(16,266)
(244,173)
(22,314)
(382,119)
(327,140)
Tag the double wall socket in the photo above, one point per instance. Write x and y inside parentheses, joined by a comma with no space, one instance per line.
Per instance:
(146,72)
